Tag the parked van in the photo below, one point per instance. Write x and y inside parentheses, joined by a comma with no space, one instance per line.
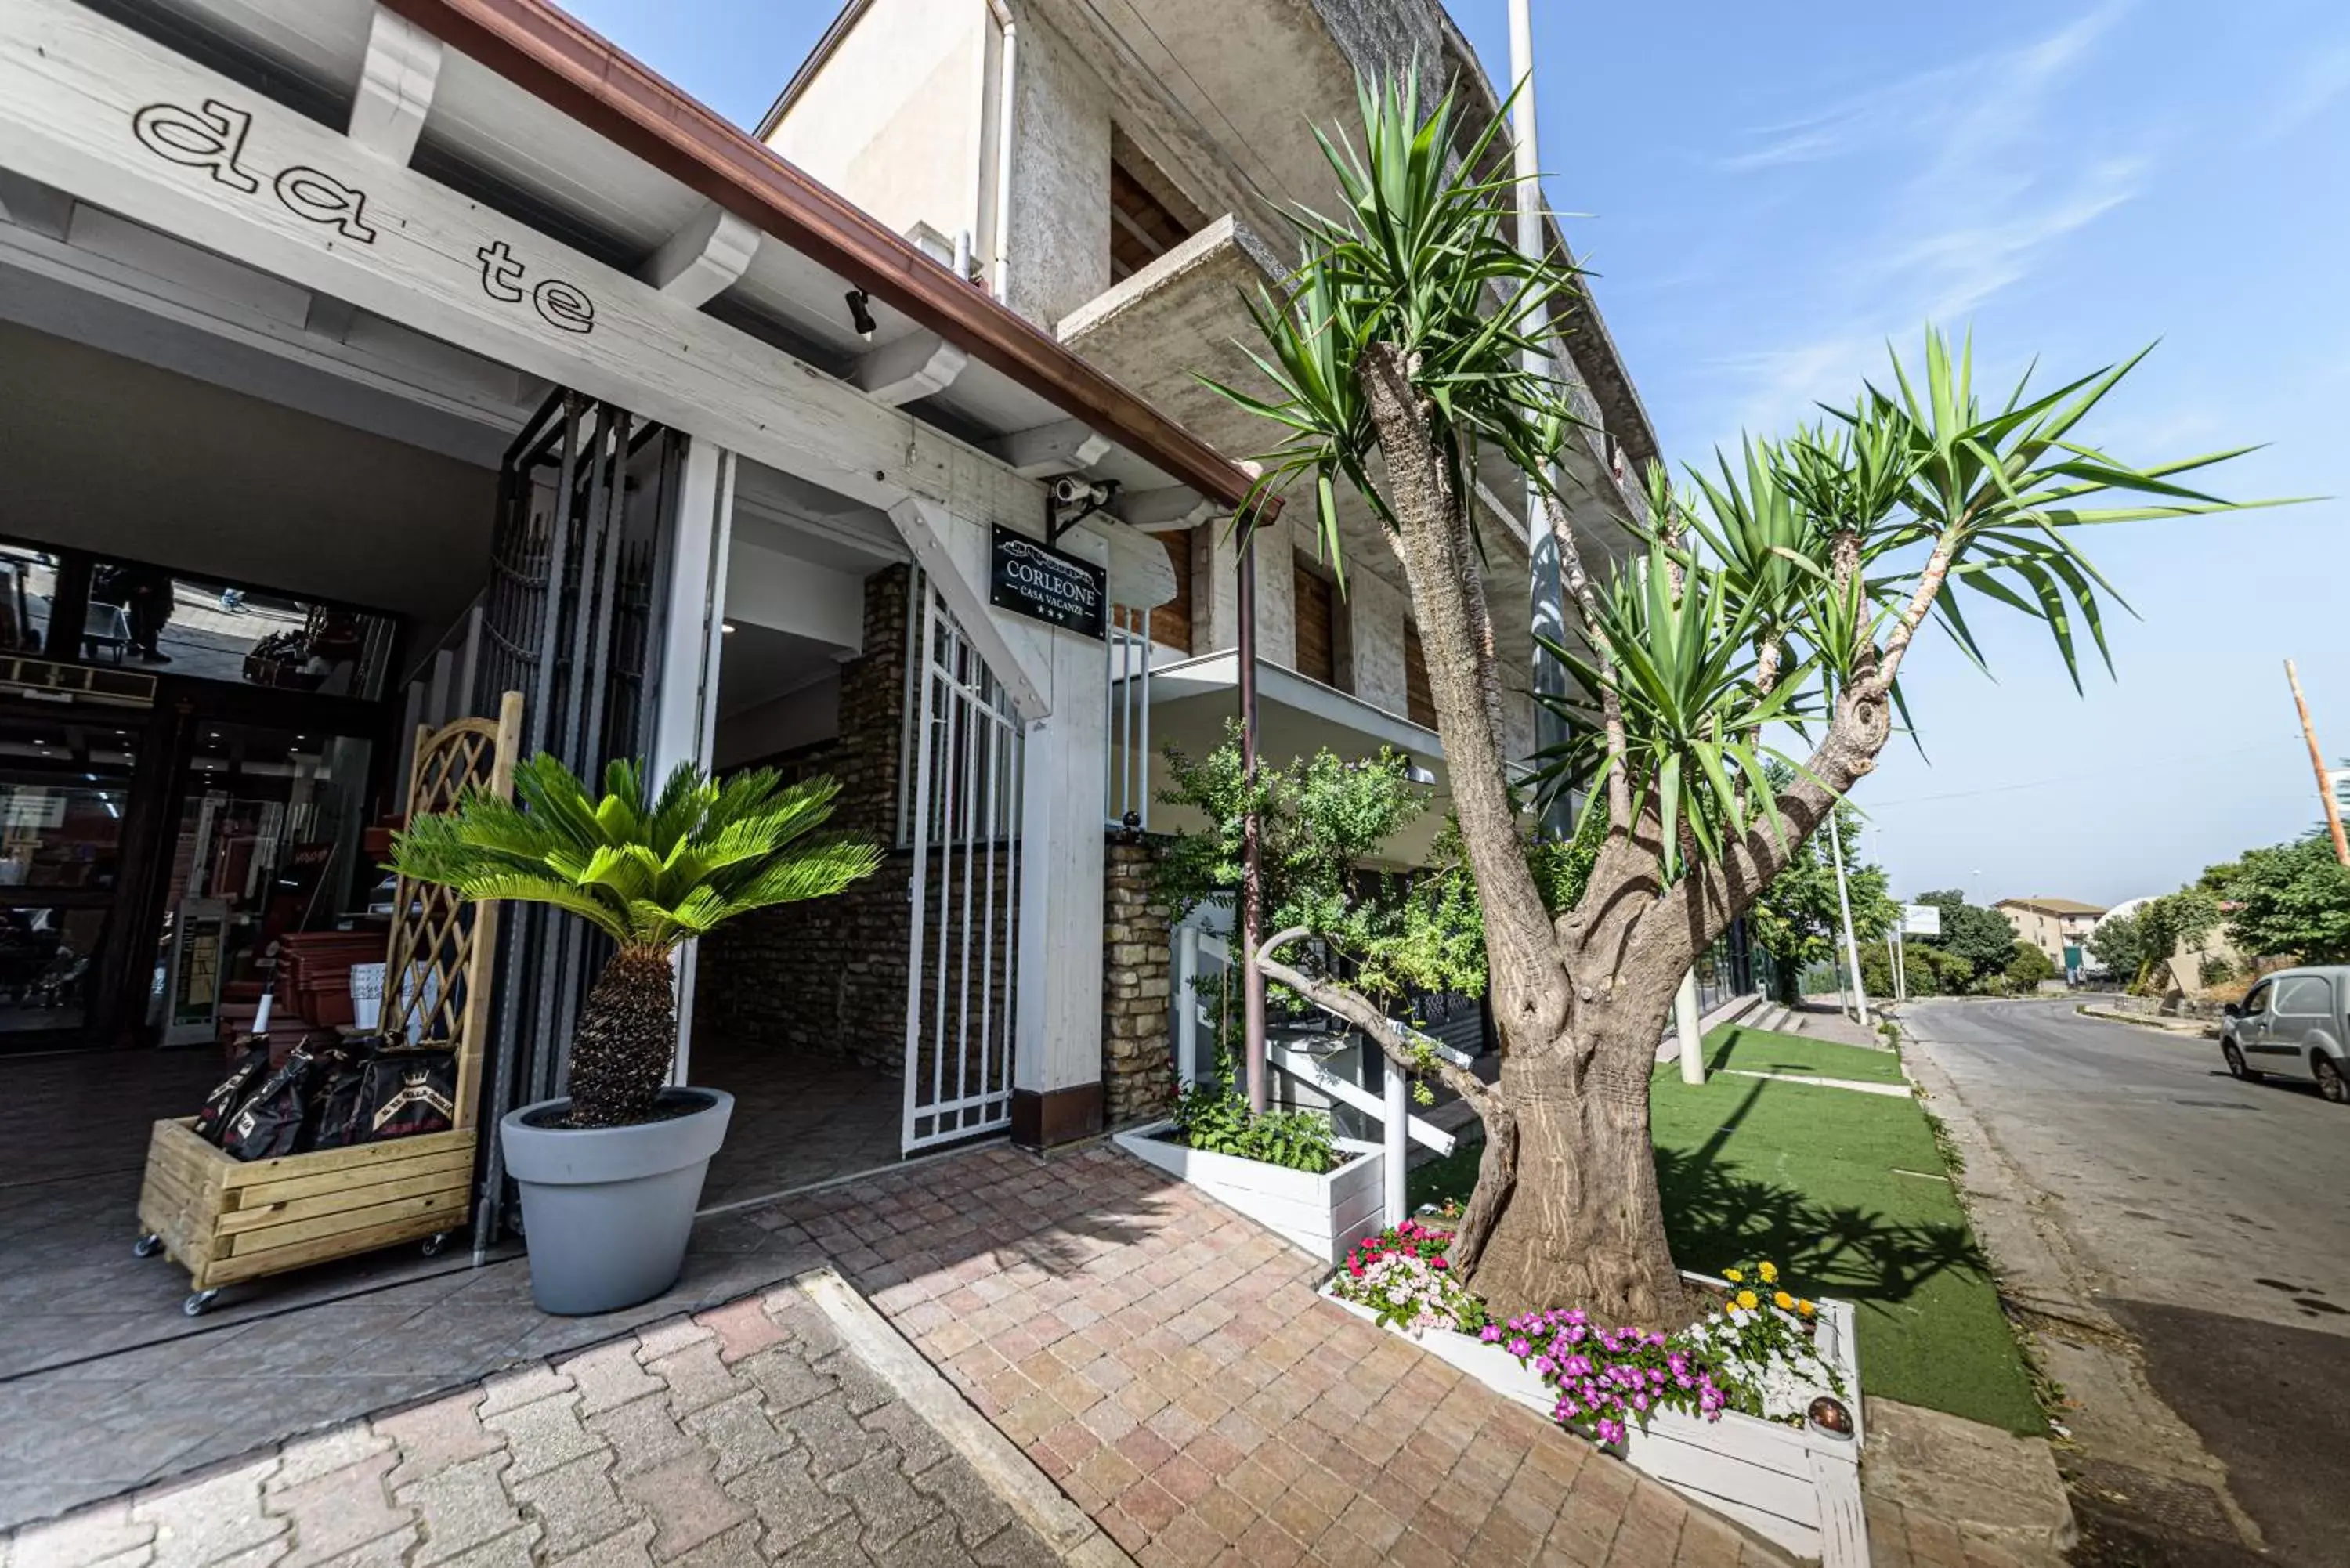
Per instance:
(2293,1024)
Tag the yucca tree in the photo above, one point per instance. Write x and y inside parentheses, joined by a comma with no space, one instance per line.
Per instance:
(1754,635)
(649,874)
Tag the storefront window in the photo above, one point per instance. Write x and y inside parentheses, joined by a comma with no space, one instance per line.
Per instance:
(63,791)
(269,842)
(144,617)
(46,957)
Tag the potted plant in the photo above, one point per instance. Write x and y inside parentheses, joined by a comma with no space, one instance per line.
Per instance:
(611,1173)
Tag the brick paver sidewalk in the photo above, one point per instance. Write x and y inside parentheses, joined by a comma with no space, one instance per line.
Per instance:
(747,1435)
(1170,1365)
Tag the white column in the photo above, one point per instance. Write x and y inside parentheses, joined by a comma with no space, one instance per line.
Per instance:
(693,630)
(1065,791)
(1393,1130)
(1685,1019)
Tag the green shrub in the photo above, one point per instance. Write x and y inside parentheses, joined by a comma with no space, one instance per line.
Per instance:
(1214,1117)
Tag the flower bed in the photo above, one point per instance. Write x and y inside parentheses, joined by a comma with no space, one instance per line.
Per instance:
(1325,1212)
(1723,1412)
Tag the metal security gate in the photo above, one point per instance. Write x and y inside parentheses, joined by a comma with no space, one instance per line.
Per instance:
(960,817)
(571,620)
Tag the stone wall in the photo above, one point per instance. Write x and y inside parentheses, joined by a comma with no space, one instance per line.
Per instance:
(1137,1077)
(830,976)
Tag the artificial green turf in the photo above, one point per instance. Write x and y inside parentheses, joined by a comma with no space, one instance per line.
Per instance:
(1767,1051)
(1820,1181)
(1817,1180)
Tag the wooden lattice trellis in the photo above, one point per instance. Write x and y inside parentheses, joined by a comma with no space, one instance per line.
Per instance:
(436,974)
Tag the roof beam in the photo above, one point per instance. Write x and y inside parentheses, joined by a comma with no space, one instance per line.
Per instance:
(403,66)
(1065,446)
(1170,509)
(701,260)
(915,366)
(445,268)
(28,203)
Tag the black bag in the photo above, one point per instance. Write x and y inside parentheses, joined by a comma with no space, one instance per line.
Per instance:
(408,1092)
(219,1107)
(270,1123)
(336,1090)
(334,1121)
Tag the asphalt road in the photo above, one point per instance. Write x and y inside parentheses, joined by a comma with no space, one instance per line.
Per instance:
(2210,1219)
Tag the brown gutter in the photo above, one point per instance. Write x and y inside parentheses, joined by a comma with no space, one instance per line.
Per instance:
(552,56)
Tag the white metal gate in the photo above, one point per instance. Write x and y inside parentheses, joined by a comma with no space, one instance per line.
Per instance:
(959,817)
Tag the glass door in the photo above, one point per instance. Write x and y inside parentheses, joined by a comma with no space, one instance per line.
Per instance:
(65,798)
(269,823)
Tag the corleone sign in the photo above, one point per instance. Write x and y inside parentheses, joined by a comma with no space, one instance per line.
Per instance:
(1033,579)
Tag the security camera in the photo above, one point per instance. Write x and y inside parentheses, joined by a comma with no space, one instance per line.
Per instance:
(1072,490)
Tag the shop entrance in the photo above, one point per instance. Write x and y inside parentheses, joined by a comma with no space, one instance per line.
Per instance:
(209,595)
(878,1023)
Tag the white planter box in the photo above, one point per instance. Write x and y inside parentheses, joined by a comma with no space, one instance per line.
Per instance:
(1325,1214)
(1797,1489)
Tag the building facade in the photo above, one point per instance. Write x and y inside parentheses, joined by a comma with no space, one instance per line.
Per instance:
(1122,181)
(2057,927)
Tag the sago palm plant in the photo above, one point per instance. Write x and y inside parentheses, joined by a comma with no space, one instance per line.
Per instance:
(649,874)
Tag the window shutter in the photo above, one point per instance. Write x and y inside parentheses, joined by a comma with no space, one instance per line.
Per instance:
(1318,654)
(1420,705)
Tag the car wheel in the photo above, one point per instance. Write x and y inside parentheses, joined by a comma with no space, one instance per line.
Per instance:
(2329,1082)
(2236,1068)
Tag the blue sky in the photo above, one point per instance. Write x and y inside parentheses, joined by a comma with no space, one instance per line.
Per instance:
(1767,201)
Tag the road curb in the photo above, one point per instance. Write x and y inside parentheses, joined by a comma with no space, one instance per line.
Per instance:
(1010,1474)
(2187,1028)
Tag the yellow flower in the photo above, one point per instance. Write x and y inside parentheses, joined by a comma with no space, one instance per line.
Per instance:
(1770,1272)
(1747,1299)
(1806,1308)
(1733,1276)
(1783,1302)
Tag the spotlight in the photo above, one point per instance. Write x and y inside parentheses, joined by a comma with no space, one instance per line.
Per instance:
(859,316)
(726,626)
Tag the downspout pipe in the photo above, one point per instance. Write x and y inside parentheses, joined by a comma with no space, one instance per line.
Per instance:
(1006,117)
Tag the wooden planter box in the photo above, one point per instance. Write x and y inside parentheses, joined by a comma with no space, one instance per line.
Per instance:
(1798,1489)
(224,1219)
(1325,1214)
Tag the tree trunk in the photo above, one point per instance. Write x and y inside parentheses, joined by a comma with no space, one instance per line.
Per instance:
(628,1038)
(1582,1225)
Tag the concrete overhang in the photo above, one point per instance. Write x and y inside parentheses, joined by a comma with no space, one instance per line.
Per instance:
(1182,318)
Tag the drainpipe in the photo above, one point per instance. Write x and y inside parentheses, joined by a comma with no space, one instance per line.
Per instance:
(1006,117)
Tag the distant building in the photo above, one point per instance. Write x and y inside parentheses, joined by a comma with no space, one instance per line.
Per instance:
(2057,927)
(2199,963)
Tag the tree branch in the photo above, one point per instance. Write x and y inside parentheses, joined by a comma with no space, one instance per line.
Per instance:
(1360,1010)
(1913,614)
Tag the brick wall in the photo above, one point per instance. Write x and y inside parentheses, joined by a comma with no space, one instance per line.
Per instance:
(830,976)
(1137,1080)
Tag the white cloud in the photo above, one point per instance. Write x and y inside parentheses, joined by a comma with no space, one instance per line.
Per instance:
(2306,92)
(1986,190)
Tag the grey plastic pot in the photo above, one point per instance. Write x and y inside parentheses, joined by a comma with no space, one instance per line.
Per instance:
(607,1211)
